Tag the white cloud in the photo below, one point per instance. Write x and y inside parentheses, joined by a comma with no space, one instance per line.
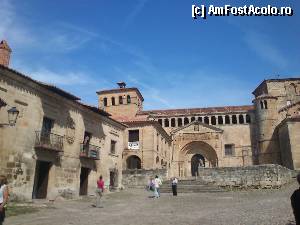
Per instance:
(135,12)
(264,48)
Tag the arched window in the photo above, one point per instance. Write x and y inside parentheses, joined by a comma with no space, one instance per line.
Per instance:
(234,119)
(128,99)
(213,120)
(186,121)
(227,119)
(200,119)
(105,101)
(179,121)
(166,122)
(120,100)
(266,104)
(206,120)
(220,119)
(173,124)
(248,118)
(157,159)
(113,102)
(133,162)
(160,121)
(261,105)
(241,119)
(192,119)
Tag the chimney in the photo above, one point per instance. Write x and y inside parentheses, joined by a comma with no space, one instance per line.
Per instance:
(5,51)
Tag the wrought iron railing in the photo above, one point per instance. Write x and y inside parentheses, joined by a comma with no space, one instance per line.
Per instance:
(46,140)
(89,151)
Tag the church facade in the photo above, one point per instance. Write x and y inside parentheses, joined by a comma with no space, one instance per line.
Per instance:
(266,132)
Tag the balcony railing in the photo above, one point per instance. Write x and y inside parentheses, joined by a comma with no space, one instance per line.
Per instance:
(89,151)
(50,141)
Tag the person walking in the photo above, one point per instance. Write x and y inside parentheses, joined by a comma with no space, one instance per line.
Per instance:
(3,197)
(157,183)
(99,191)
(295,201)
(174,186)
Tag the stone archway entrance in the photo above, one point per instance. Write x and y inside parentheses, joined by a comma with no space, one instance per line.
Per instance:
(197,161)
(133,162)
(195,155)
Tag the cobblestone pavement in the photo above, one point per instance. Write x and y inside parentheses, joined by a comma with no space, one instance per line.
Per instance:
(134,207)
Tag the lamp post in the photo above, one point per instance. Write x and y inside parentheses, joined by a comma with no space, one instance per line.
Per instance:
(13,113)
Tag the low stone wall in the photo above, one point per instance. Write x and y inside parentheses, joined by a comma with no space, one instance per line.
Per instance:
(140,177)
(260,176)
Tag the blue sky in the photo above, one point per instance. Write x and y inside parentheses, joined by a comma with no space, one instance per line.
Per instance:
(175,61)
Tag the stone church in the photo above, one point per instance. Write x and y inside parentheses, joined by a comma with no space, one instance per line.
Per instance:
(51,143)
(266,132)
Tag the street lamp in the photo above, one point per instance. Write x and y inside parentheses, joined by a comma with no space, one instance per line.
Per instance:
(12,117)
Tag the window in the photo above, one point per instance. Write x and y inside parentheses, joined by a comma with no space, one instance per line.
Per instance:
(166,122)
(47,125)
(220,119)
(186,121)
(261,105)
(133,135)
(160,121)
(227,119)
(179,122)
(248,119)
(241,119)
(213,120)
(196,127)
(206,120)
(128,99)
(229,149)
(113,102)
(113,146)
(173,124)
(120,100)
(192,119)
(234,119)
(266,104)
(200,119)
(105,101)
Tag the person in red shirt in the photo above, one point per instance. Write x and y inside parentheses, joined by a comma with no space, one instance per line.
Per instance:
(99,191)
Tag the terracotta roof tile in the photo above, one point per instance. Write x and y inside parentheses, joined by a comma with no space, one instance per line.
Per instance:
(173,112)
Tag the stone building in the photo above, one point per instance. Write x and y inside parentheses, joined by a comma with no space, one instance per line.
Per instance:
(59,145)
(266,132)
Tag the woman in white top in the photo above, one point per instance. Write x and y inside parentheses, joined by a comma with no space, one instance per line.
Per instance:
(3,197)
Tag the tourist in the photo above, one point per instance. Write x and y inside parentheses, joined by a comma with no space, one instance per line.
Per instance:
(3,197)
(295,200)
(157,183)
(174,186)
(99,191)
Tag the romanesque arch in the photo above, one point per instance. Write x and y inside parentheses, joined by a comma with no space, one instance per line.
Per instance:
(197,154)
(133,162)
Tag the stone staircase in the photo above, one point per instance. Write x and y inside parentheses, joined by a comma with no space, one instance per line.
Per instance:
(190,185)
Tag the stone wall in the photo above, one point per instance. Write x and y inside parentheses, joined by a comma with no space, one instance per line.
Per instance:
(140,178)
(261,176)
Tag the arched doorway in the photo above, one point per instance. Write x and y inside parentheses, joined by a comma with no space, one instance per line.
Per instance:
(133,162)
(197,161)
(193,154)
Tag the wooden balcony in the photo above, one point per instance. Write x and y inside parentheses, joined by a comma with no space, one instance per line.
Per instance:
(49,141)
(89,151)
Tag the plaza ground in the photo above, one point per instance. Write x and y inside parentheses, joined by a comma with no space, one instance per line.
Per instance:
(134,207)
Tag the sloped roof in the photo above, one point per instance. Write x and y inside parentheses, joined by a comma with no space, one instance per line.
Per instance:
(197,123)
(174,112)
